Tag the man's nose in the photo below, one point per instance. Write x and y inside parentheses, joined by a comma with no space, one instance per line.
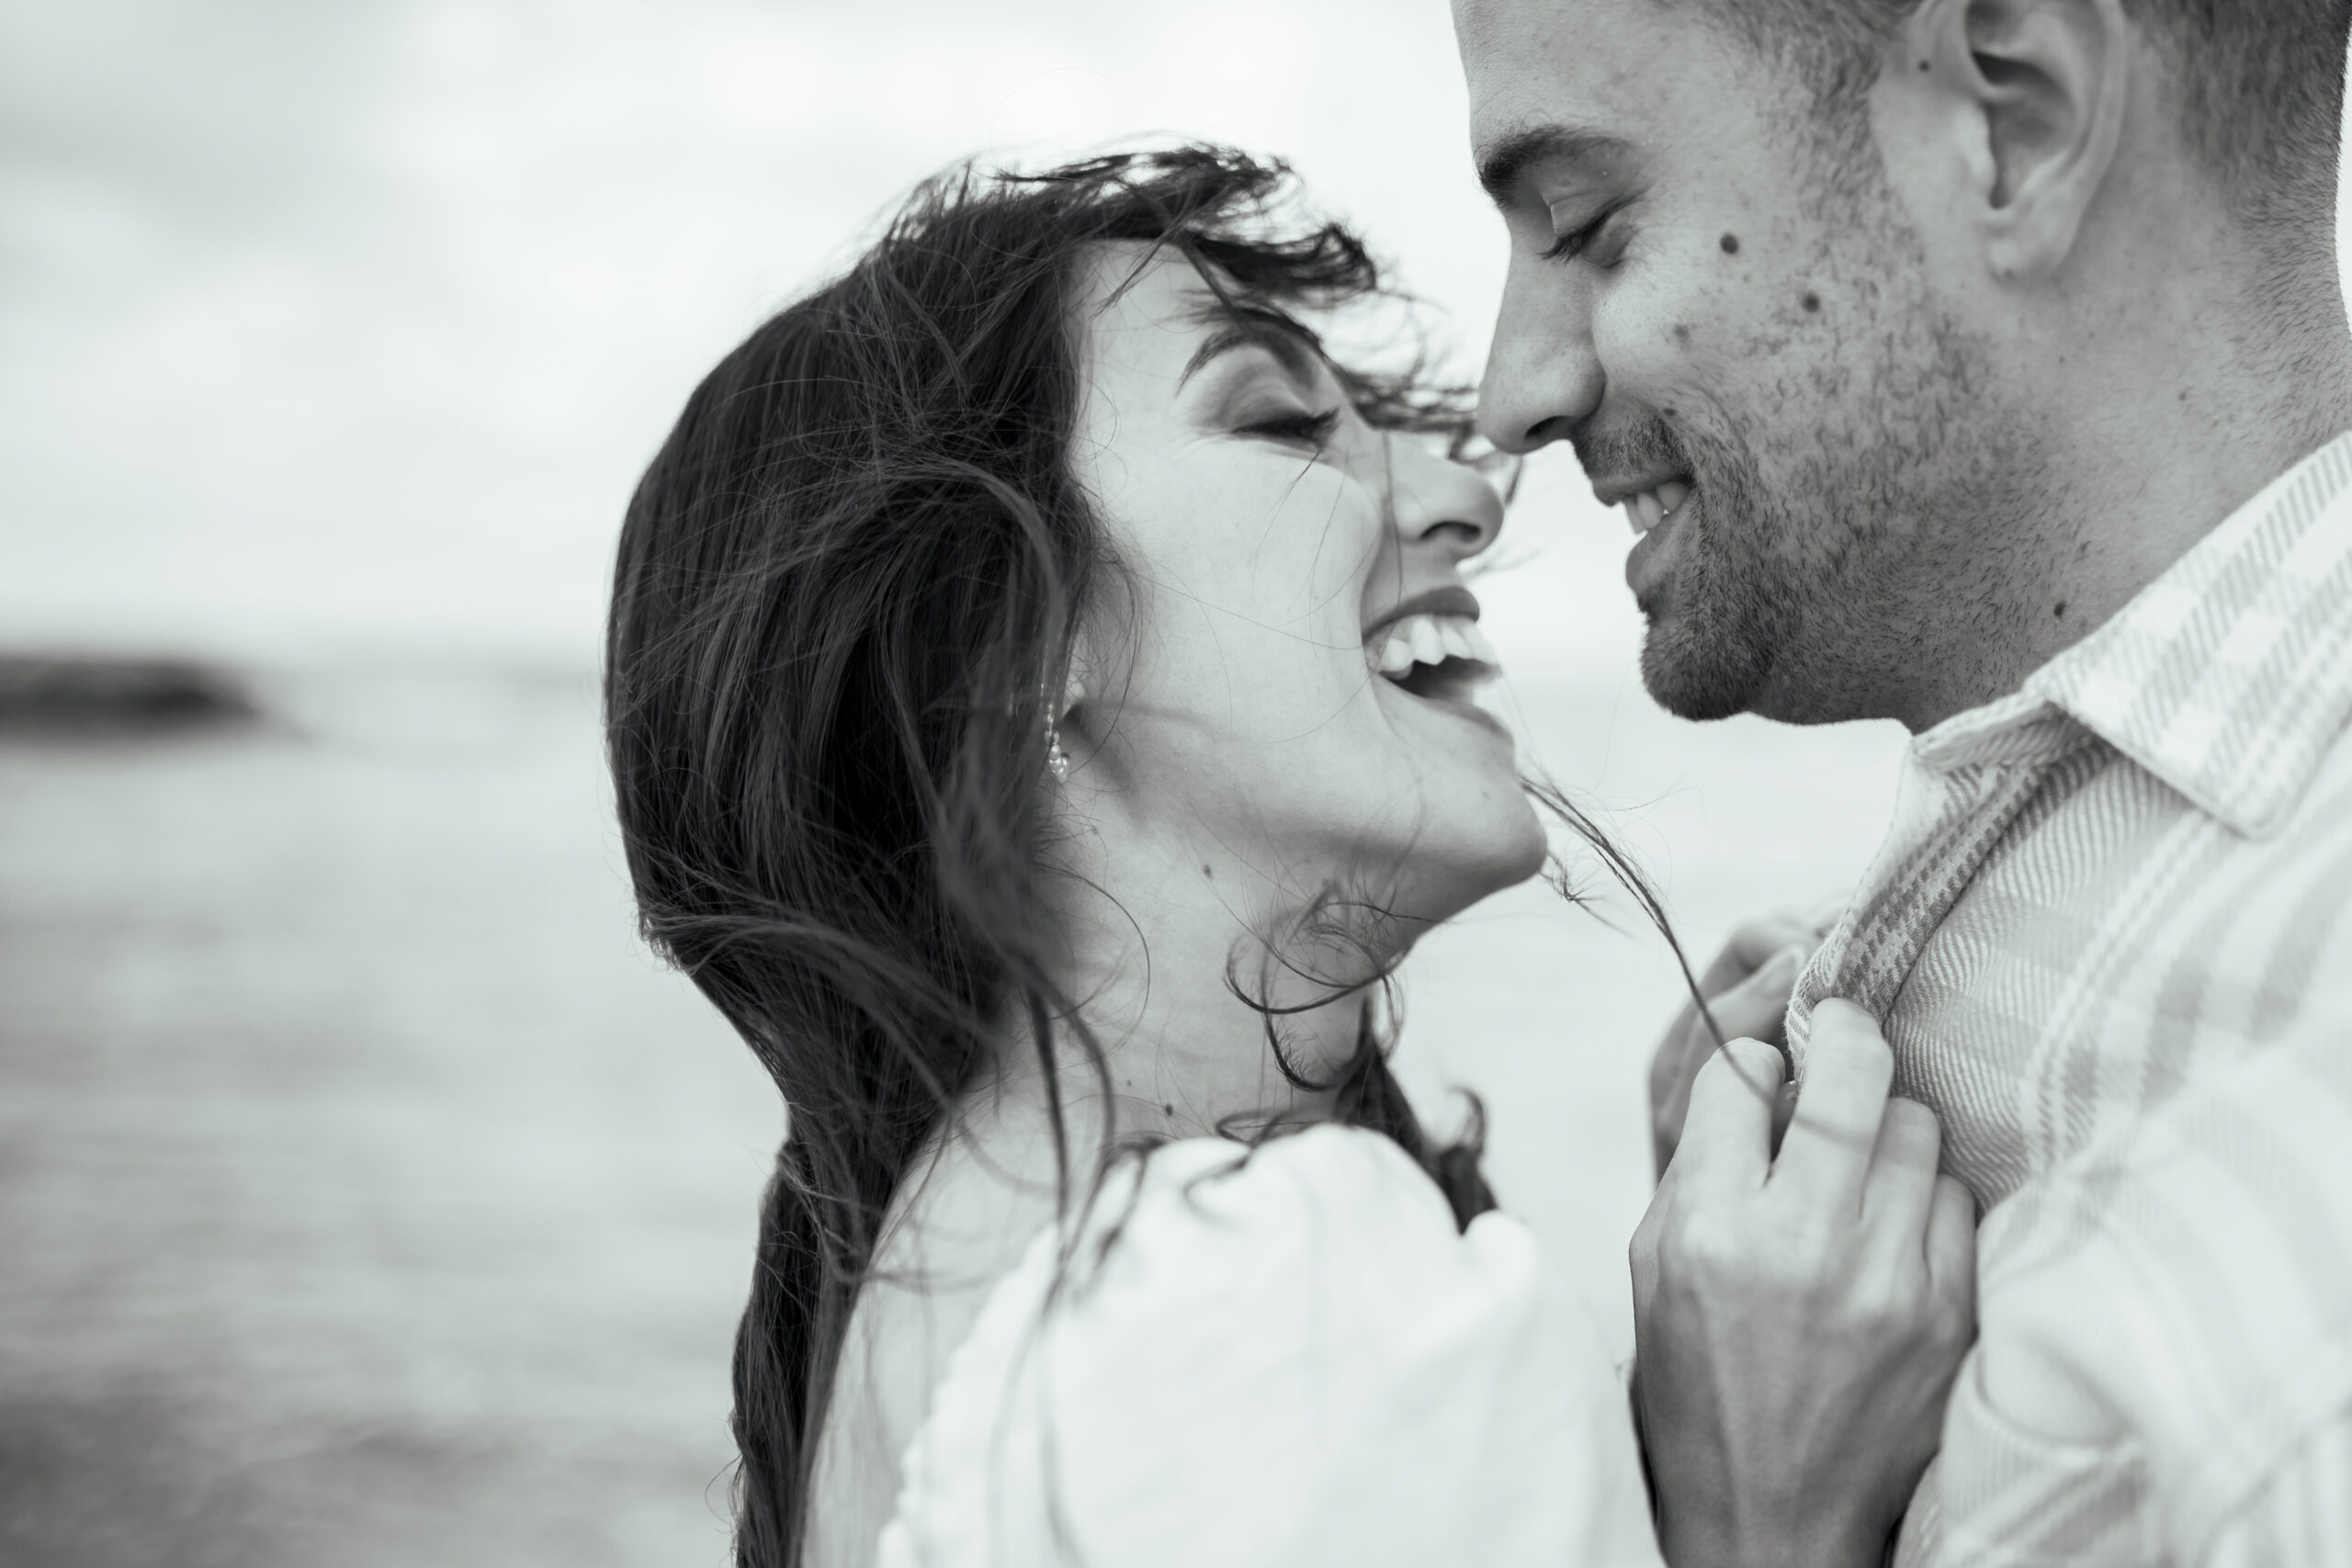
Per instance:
(1542,378)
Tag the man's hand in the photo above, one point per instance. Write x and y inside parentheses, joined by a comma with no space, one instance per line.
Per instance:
(1799,1319)
(1748,989)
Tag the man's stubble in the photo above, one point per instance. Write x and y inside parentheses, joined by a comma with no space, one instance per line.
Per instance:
(1860,507)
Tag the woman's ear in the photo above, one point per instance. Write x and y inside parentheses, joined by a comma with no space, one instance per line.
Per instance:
(1077,683)
(2035,91)
(1066,727)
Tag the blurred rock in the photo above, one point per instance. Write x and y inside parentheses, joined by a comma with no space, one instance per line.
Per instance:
(49,695)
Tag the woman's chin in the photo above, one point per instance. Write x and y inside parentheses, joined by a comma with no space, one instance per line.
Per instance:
(1519,853)
(1531,849)
(1447,878)
(1509,842)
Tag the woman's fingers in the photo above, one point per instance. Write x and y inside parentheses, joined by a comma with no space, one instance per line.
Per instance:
(1797,1336)
(1755,1008)
(1727,1138)
(1951,1244)
(1902,1183)
(1753,944)
(1825,1159)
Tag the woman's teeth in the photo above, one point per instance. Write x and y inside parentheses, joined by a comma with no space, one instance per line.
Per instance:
(1653,507)
(1431,640)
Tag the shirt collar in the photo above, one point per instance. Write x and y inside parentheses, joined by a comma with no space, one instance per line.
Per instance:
(2228,677)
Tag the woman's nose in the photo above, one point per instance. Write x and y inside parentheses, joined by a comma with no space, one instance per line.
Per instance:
(1542,376)
(1438,503)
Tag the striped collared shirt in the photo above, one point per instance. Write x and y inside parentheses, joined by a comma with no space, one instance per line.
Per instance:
(2110,939)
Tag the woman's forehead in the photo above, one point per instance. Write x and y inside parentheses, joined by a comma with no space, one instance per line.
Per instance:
(1151,291)
(1157,310)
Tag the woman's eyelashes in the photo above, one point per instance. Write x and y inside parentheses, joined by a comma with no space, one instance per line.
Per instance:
(1294,427)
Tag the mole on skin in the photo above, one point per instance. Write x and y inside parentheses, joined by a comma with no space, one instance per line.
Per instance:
(1682,333)
(1731,244)
(1813,301)
(2061,611)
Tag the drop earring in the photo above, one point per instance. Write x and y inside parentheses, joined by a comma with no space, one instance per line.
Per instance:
(1058,759)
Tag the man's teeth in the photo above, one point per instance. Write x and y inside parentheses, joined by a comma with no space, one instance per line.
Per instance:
(1432,639)
(1652,507)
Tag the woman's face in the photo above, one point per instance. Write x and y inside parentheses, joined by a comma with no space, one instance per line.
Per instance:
(1292,686)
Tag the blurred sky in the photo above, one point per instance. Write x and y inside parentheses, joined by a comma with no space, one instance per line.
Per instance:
(346,324)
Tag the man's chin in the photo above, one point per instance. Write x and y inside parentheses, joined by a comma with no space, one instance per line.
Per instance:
(1698,677)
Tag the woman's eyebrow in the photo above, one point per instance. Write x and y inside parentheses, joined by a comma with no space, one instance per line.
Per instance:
(1245,326)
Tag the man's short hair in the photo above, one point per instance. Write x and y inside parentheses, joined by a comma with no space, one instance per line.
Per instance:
(2261,81)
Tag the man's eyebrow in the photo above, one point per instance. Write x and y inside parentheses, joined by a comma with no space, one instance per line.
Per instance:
(1249,326)
(1501,162)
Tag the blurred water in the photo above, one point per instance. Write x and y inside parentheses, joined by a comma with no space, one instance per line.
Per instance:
(371,1198)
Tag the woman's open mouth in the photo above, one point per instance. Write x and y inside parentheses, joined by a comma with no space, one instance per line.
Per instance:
(1442,656)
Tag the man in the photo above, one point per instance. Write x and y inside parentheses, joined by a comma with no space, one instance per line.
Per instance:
(1983,364)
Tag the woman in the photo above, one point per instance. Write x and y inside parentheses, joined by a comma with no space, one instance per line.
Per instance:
(1039,698)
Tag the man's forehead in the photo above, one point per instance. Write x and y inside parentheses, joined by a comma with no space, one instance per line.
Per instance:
(1580,86)
(1486,25)
(1520,56)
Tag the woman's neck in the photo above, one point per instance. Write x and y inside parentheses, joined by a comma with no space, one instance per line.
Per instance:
(1156,949)
(1191,979)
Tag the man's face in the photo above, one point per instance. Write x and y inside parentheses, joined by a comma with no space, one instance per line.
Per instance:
(1730,320)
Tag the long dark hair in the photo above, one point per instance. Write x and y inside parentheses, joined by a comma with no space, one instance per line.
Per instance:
(843,585)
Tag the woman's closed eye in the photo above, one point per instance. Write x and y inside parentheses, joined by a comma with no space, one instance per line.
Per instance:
(1294,427)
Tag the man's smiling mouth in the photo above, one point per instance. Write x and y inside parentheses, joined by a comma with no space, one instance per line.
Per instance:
(1646,509)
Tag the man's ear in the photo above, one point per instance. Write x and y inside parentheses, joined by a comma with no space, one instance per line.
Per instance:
(2041,85)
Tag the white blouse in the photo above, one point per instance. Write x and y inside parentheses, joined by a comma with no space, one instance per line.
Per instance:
(1286,1359)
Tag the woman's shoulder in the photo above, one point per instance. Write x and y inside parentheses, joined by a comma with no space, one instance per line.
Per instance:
(959,1229)
(1270,1355)
(1207,1225)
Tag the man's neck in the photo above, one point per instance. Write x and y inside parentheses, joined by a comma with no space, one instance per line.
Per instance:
(2134,485)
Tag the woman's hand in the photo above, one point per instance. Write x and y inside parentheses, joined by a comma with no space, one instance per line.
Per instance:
(1799,1319)
(1748,989)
